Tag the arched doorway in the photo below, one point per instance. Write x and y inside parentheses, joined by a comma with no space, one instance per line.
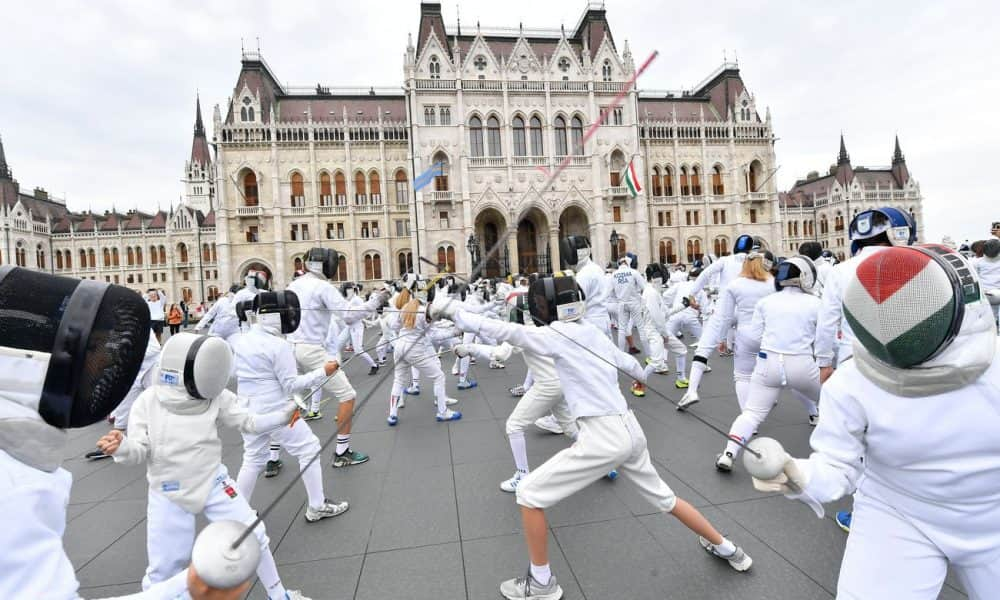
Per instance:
(490,225)
(532,243)
(256,266)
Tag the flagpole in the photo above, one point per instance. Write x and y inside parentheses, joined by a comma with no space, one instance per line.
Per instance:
(413,180)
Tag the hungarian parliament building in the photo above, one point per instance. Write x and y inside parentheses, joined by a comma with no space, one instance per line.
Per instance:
(495,110)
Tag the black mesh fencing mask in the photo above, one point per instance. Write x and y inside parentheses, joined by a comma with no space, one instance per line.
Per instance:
(278,310)
(90,336)
(573,249)
(322,261)
(555,299)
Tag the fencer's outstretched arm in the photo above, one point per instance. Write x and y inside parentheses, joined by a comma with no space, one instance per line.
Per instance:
(232,414)
(706,275)
(209,316)
(838,443)
(719,322)
(340,307)
(287,374)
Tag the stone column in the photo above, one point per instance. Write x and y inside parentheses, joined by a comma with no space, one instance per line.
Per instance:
(515,266)
(554,249)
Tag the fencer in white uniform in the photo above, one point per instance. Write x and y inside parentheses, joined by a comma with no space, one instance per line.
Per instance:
(357,329)
(653,328)
(686,317)
(267,377)
(735,306)
(34,416)
(909,427)
(222,316)
(723,271)
(174,429)
(575,252)
(319,301)
(628,285)
(785,324)
(254,283)
(587,363)
(870,231)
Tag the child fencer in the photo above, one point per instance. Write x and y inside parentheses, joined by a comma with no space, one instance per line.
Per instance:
(909,427)
(412,350)
(352,291)
(474,302)
(320,301)
(267,377)
(687,316)
(735,306)
(653,327)
(785,324)
(587,364)
(174,429)
(628,285)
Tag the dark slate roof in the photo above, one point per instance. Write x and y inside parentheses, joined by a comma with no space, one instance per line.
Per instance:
(199,144)
(292,108)
(159,221)
(209,220)
(716,97)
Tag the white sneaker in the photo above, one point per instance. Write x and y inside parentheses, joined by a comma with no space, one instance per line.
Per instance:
(690,397)
(496,364)
(295,595)
(450,401)
(738,560)
(708,369)
(549,423)
(526,588)
(510,485)
(402,402)
(724,462)
(327,510)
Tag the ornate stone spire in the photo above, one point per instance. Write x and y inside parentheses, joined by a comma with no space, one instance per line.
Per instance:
(4,169)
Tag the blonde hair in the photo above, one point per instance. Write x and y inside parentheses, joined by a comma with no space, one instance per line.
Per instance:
(410,313)
(753,268)
(402,298)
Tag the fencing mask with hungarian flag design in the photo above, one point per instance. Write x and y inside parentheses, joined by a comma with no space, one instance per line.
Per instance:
(907,307)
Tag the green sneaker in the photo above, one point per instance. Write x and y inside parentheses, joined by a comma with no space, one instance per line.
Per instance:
(312,416)
(348,458)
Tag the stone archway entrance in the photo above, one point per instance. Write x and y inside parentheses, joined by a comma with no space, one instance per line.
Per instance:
(533,250)
(490,226)
(257,266)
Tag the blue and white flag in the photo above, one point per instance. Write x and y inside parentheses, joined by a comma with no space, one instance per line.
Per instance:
(422,180)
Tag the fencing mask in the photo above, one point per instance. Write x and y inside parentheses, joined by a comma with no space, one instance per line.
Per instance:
(69,349)
(193,367)
(991,248)
(256,280)
(349,289)
(797,271)
(278,312)
(519,311)
(322,262)
(629,259)
(920,322)
(655,274)
(242,308)
(555,299)
(743,244)
(573,251)
(811,249)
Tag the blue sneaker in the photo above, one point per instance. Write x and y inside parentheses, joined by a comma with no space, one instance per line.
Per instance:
(449,415)
(613,474)
(467,385)
(392,420)
(413,390)
(844,520)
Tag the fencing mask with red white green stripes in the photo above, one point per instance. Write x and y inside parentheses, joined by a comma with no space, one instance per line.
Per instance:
(908,305)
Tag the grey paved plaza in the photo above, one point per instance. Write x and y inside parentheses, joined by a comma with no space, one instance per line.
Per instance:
(428,521)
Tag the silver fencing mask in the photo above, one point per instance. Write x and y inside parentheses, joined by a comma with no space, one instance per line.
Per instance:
(198,365)
(83,341)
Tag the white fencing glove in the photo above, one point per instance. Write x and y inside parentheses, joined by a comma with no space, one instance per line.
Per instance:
(442,308)
(502,352)
(461,350)
(792,480)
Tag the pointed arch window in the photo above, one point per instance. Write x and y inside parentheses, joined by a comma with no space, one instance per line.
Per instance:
(535,127)
(375,187)
(476,137)
(373,266)
(576,134)
(657,186)
(402,187)
(325,190)
(718,188)
(693,250)
(668,181)
(685,183)
(441,181)
(360,197)
(298,190)
(129,256)
(520,143)
(340,187)
(404,261)
(163,255)
(434,66)
(91,259)
(83,258)
(560,132)
(696,180)
(250,189)
(106,254)
(493,135)
(606,70)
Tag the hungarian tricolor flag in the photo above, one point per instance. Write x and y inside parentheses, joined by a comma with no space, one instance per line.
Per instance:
(632,179)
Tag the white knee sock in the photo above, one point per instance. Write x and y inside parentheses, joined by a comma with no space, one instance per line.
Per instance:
(394,406)
(343,443)
(697,370)
(267,571)
(680,361)
(519,449)
(274,452)
(246,479)
(314,402)
(312,477)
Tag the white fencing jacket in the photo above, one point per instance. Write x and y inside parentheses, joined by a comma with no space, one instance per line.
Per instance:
(266,371)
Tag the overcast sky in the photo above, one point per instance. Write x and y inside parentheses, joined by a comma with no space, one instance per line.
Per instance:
(97,98)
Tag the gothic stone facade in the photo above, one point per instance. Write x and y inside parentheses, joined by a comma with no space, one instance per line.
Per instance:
(497,108)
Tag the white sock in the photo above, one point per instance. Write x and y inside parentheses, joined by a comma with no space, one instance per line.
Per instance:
(680,361)
(274,452)
(314,402)
(343,443)
(726,548)
(541,574)
(312,478)
(394,406)
(520,450)
(697,370)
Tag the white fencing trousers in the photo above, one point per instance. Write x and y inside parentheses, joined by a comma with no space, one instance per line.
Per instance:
(773,373)
(537,402)
(604,443)
(418,356)
(299,441)
(170,533)
(908,564)
(311,357)
(686,322)
(628,315)
(357,331)
(658,354)
(463,363)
